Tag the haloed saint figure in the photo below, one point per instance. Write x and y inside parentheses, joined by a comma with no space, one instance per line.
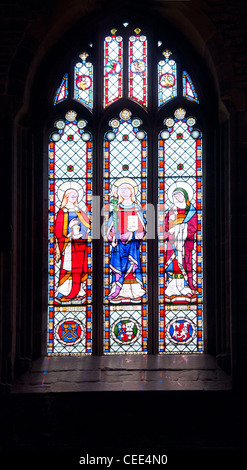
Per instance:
(126,227)
(71,231)
(180,227)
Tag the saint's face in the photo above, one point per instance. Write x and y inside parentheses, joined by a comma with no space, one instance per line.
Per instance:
(178,196)
(73,197)
(124,191)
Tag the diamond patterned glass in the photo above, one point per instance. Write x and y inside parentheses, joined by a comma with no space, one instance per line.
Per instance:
(188,88)
(62,91)
(69,242)
(180,236)
(83,81)
(125,246)
(138,68)
(167,79)
(125,68)
(113,69)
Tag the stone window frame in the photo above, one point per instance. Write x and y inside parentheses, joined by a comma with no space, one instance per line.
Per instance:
(217,348)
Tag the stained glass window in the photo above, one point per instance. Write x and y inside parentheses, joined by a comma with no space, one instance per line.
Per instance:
(188,88)
(138,67)
(125,248)
(167,78)
(83,81)
(180,235)
(113,68)
(62,91)
(70,259)
(122,171)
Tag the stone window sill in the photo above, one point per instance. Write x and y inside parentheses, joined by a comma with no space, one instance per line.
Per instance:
(123,373)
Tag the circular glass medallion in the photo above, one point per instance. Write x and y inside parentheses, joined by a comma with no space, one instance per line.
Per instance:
(56,137)
(114,123)
(167,80)
(125,114)
(181,331)
(60,124)
(110,135)
(83,82)
(136,122)
(140,135)
(69,332)
(169,122)
(164,135)
(112,67)
(86,136)
(71,116)
(191,121)
(81,124)
(138,66)
(125,330)
(180,113)
(195,134)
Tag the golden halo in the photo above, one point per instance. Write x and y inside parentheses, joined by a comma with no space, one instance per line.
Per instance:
(180,184)
(70,185)
(121,181)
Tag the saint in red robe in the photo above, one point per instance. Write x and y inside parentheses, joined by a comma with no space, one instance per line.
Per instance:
(71,230)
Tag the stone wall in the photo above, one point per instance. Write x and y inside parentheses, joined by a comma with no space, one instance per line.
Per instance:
(217,31)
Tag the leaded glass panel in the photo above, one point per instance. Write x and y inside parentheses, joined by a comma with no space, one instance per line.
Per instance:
(188,88)
(83,81)
(167,79)
(69,243)
(125,249)
(180,265)
(138,67)
(113,68)
(180,235)
(62,91)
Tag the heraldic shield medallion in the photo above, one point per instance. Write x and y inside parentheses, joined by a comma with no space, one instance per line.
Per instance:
(70,331)
(125,331)
(181,331)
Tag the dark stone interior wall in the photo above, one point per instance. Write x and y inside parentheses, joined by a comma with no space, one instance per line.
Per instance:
(217,31)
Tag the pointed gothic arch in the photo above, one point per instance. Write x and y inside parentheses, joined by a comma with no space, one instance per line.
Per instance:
(207,120)
(135,92)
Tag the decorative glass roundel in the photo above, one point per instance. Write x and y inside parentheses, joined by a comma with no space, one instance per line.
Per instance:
(56,137)
(165,135)
(195,134)
(69,331)
(81,124)
(136,122)
(138,66)
(71,116)
(86,136)
(125,330)
(140,135)
(113,67)
(169,122)
(110,135)
(167,80)
(60,124)
(181,331)
(191,121)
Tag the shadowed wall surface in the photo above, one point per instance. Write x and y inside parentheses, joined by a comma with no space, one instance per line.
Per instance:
(35,44)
